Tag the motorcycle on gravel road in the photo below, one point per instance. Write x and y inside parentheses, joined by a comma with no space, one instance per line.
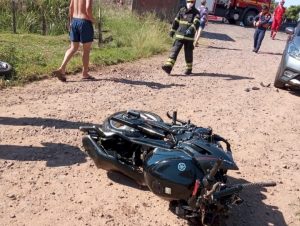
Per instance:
(177,161)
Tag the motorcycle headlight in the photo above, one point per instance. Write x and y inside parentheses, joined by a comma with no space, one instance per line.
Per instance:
(294,51)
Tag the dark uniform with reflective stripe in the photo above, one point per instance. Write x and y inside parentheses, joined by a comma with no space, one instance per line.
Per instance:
(184,27)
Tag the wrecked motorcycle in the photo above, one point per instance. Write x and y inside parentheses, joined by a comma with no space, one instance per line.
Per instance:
(177,161)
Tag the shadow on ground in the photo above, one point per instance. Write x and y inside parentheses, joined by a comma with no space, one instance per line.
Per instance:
(295,92)
(216,47)
(124,180)
(253,210)
(218,36)
(46,122)
(217,75)
(152,85)
(54,154)
(271,53)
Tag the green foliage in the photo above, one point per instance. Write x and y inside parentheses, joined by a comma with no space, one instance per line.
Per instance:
(34,56)
(31,13)
(292,13)
(273,5)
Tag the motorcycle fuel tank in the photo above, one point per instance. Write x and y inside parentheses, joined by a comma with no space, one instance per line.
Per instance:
(171,174)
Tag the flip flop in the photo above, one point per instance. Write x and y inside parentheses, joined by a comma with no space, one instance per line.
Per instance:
(61,77)
(88,78)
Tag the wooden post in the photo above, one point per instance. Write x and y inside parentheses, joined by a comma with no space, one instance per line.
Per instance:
(100,38)
(14,21)
(44,23)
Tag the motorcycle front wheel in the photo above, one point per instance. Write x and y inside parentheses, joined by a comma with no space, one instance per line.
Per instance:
(113,126)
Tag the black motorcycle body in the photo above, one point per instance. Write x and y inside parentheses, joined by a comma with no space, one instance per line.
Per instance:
(177,161)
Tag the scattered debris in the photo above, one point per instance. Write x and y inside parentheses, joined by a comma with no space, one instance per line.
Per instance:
(263,85)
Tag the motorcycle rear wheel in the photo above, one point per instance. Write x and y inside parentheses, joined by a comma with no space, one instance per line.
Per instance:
(113,126)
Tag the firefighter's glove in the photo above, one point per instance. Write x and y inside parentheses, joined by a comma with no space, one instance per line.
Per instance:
(188,32)
(171,34)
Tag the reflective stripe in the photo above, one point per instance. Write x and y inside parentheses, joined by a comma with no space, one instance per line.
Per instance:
(184,22)
(176,19)
(169,64)
(183,37)
(189,65)
(170,61)
(196,19)
(193,26)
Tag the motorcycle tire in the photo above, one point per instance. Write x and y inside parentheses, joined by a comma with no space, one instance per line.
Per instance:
(113,126)
(5,68)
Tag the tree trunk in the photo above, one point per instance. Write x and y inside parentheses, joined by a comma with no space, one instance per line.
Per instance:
(44,24)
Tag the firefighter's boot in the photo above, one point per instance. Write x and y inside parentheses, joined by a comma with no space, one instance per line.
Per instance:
(188,71)
(167,68)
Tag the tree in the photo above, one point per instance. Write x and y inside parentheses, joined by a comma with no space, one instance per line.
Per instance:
(292,13)
(273,5)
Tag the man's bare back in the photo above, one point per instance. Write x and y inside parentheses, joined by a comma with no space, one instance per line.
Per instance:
(81,9)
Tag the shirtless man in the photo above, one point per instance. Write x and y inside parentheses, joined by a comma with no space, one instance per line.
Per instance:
(81,31)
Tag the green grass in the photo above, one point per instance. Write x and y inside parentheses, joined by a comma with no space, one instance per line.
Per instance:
(33,57)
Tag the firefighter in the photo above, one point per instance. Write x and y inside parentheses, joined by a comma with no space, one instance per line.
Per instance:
(184,29)
(261,22)
(277,19)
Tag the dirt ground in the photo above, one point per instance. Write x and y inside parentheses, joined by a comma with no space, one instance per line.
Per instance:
(46,178)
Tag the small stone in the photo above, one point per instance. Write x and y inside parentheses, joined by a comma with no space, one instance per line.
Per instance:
(247,90)
(255,88)
(12,196)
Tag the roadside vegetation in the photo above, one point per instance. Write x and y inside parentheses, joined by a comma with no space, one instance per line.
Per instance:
(126,36)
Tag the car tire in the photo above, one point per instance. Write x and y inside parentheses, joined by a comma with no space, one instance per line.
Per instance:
(279,84)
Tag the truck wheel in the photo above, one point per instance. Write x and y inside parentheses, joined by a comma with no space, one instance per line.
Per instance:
(249,18)
(231,21)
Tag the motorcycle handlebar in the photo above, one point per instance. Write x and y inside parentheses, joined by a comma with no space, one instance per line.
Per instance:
(237,188)
(226,192)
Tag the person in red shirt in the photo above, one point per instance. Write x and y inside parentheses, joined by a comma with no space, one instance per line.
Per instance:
(277,19)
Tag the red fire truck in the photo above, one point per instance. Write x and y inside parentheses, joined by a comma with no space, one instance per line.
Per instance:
(236,10)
